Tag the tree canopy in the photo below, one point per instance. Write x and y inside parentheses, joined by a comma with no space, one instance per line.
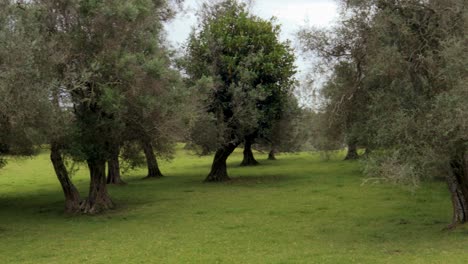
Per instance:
(410,81)
(250,72)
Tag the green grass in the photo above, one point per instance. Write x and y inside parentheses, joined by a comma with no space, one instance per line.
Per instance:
(298,209)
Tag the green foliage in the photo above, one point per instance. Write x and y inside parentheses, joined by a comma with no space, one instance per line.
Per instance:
(203,135)
(250,68)
(291,131)
(105,67)
(397,85)
(342,63)
(24,107)
(421,112)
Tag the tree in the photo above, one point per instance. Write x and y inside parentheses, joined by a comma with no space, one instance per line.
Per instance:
(34,109)
(155,111)
(247,65)
(78,63)
(24,106)
(109,50)
(426,42)
(289,132)
(128,69)
(414,80)
(342,50)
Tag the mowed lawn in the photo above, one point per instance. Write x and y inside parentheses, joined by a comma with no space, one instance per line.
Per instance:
(299,209)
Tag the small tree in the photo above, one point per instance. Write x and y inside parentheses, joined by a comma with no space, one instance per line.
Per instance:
(290,132)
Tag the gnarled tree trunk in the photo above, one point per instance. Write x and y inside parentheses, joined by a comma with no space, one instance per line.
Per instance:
(218,171)
(98,199)
(271,154)
(153,167)
(249,159)
(72,196)
(352,152)
(113,167)
(458,186)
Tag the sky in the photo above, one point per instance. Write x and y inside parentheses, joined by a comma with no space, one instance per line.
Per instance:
(291,14)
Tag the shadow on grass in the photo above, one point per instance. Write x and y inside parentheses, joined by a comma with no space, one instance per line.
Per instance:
(255,180)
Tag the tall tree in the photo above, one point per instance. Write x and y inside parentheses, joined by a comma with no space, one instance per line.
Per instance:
(414,80)
(111,49)
(24,107)
(248,66)
(420,103)
(27,64)
(342,50)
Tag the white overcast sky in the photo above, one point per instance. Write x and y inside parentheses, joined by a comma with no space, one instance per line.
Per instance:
(291,14)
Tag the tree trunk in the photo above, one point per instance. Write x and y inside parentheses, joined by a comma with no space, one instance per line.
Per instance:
(113,167)
(367,152)
(98,199)
(271,154)
(72,196)
(205,151)
(249,159)
(458,187)
(153,168)
(352,152)
(218,171)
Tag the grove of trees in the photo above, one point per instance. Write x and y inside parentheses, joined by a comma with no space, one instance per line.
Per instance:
(96,83)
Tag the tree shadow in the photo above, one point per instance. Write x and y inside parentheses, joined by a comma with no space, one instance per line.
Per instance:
(256,180)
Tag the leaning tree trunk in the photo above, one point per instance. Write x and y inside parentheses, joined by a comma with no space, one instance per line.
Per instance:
(249,159)
(98,199)
(271,154)
(458,187)
(113,167)
(352,152)
(153,168)
(72,196)
(218,171)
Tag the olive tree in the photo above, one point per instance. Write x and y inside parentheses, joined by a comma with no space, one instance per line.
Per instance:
(108,51)
(341,54)
(248,67)
(414,82)
(24,106)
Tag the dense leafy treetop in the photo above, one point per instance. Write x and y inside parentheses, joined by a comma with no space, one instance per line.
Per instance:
(251,70)
(23,101)
(407,93)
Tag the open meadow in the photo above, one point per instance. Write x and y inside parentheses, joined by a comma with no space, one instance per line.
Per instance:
(298,209)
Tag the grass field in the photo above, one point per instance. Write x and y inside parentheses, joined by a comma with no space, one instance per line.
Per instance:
(299,209)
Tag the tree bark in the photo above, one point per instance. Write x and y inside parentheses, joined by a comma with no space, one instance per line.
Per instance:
(72,196)
(98,199)
(367,152)
(271,154)
(218,171)
(249,159)
(352,152)
(153,168)
(113,167)
(458,187)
